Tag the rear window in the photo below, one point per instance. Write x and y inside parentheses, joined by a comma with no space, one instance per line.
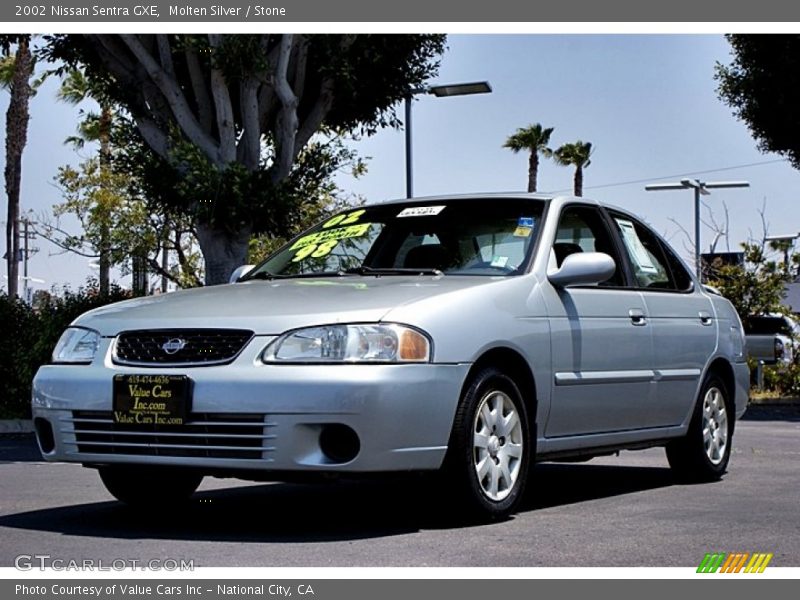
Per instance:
(767,326)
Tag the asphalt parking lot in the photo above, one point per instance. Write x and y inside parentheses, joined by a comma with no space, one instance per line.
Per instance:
(614,511)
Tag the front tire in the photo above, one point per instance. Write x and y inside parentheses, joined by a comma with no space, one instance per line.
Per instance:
(703,454)
(490,446)
(149,486)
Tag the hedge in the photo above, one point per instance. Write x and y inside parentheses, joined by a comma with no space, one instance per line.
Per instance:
(29,335)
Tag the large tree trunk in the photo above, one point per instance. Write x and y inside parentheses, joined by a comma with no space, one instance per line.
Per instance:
(223,251)
(533,170)
(579,181)
(17,117)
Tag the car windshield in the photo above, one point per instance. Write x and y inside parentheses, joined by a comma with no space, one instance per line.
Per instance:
(487,237)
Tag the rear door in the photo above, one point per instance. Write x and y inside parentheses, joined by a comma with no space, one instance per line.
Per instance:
(682,320)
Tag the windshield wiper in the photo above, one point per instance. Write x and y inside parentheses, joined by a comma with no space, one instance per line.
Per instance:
(364,270)
(270,276)
(262,275)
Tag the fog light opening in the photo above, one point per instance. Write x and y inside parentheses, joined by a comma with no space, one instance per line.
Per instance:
(44,435)
(339,443)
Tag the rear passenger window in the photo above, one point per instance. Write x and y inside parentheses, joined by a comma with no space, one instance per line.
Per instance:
(654,265)
(683,281)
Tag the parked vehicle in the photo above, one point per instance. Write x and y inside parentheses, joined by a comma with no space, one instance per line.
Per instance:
(771,338)
(472,335)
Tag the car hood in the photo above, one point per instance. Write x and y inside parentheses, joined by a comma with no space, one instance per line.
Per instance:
(272,307)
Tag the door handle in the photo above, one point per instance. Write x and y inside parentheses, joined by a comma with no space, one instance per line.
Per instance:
(705,318)
(637,317)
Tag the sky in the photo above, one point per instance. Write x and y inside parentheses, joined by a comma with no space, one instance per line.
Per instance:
(647,103)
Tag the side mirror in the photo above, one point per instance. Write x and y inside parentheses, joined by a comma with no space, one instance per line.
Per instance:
(583,268)
(240,272)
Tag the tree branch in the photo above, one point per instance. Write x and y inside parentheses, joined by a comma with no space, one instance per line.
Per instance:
(154,136)
(249,151)
(165,55)
(315,116)
(176,100)
(199,89)
(223,106)
(286,122)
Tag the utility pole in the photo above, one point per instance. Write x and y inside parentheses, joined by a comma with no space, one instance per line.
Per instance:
(27,234)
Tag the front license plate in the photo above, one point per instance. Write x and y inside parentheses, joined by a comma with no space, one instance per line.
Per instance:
(151,399)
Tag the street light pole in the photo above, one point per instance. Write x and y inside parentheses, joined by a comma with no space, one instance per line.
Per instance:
(440,91)
(409,161)
(699,187)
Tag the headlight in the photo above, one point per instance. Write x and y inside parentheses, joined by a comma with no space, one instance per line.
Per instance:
(350,343)
(76,345)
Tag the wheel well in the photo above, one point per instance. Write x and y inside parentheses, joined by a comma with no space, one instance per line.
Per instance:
(722,367)
(515,366)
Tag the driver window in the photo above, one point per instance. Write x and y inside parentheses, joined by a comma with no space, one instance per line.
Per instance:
(583,229)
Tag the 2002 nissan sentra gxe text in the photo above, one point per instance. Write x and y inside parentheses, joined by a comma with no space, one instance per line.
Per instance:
(468,334)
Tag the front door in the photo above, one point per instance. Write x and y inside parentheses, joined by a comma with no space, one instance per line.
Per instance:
(600,338)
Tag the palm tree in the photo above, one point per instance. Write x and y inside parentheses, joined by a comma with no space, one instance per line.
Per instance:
(533,139)
(15,74)
(75,88)
(578,155)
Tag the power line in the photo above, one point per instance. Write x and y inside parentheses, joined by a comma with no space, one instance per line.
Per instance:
(649,179)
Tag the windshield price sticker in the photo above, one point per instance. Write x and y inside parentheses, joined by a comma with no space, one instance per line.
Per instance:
(421,211)
(340,233)
(322,243)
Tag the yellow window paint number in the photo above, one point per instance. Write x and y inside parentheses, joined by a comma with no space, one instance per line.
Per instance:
(344,219)
(315,250)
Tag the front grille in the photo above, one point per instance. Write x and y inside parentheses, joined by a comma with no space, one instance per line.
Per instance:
(204,435)
(165,347)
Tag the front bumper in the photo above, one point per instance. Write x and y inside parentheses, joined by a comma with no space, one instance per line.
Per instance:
(271,416)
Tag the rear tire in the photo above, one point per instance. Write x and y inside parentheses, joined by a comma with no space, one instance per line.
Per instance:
(703,453)
(149,486)
(490,450)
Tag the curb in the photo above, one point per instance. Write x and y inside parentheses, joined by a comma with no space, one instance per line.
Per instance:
(16,426)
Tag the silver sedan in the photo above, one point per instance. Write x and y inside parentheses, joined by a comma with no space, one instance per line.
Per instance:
(467,335)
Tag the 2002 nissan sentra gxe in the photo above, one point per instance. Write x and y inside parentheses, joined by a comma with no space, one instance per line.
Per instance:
(472,335)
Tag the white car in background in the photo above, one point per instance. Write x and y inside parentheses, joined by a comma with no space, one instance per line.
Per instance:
(771,338)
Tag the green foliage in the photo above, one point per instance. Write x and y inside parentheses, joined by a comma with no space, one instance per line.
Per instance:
(31,333)
(762,86)
(16,366)
(757,287)
(99,198)
(577,154)
(533,138)
(239,128)
(783,380)
(190,186)
(262,246)
(106,196)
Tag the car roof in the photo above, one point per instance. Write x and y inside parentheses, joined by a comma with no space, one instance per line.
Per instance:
(552,198)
